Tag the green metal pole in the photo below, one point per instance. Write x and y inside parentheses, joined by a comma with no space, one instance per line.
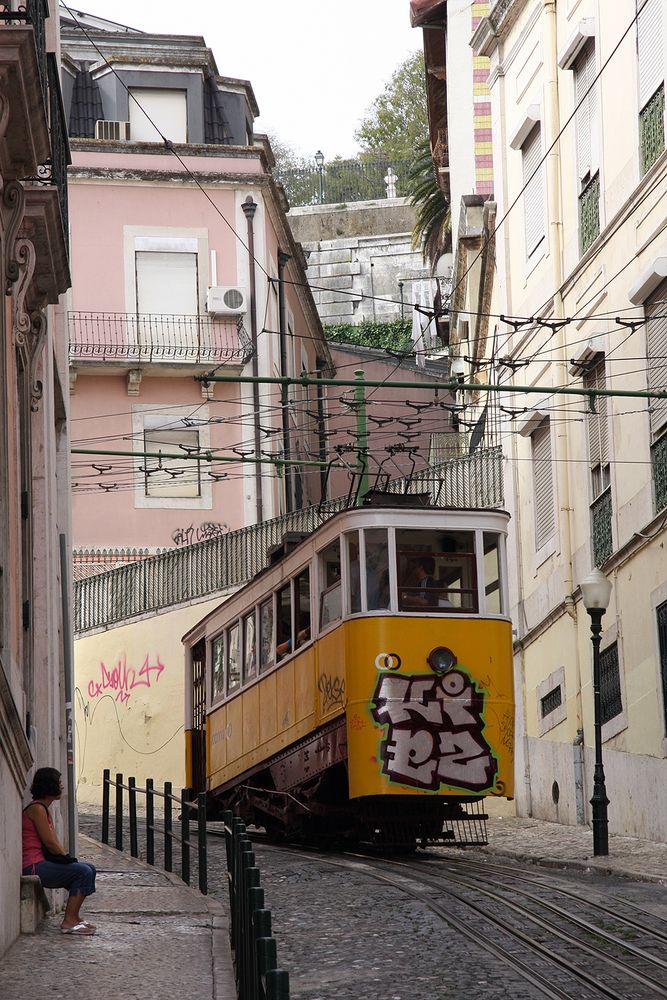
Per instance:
(451,385)
(362,436)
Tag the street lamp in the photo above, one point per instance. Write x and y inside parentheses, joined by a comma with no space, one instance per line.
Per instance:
(319,160)
(596,591)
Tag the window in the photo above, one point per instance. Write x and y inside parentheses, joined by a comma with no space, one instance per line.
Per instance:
(267,637)
(284,637)
(233,657)
(377,569)
(330,584)
(302,607)
(587,140)
(651,69)
(436,571)
(171,477)
(661,613)
(158,110)
(610,684)
(249,648)
(551,701)
(543,484)
(218,659)
(492,590)
(353,572)
(656,333)
(598,429)
(533,195)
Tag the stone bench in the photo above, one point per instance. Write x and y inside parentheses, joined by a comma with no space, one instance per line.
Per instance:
(34,903)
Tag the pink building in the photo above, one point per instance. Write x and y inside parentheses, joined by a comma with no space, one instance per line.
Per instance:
(182,263)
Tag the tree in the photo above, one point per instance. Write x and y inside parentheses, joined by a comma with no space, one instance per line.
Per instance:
(432,217)
(397,120)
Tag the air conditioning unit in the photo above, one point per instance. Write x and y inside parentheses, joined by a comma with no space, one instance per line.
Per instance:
(226,300)
(119,131)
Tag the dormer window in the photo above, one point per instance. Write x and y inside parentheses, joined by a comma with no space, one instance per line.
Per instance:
(158,110)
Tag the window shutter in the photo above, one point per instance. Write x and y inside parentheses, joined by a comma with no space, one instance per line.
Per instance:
(650,53)
(543,484)
(166,107)
(586,115)
(656,326)
(533,195)
(598,430)
(166,283)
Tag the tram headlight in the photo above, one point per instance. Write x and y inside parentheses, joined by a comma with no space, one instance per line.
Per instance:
(441,659)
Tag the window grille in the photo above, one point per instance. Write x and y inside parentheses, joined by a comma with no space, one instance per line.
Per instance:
(661,613)
(659,467)
(650,60)
(610,684)
(543,484)
(533,195)
(551,701)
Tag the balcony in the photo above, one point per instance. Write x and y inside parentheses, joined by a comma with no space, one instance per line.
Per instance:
(652,129)
(601,531)
(129,340)
(23,66)
(589,213)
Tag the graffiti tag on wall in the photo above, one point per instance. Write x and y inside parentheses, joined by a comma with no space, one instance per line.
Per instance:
(122,679)
(435,731)
(190,535)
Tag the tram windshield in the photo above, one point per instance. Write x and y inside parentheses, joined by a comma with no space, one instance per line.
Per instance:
(436,570)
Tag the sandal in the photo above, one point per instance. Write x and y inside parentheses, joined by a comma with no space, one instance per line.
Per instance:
(80,929)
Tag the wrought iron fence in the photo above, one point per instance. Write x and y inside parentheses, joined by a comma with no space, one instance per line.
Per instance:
(601,528)
(193,571)
(343,181)
(652,129)
(60,152)
(147,337)
(659,463)
(589,213)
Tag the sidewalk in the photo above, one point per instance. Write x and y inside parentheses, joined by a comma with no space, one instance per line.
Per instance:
(156,938)
(553,845)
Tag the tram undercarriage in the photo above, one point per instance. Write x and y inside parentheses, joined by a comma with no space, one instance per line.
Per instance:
(302,794)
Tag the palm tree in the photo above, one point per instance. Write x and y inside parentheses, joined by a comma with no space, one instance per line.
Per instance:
(433,218)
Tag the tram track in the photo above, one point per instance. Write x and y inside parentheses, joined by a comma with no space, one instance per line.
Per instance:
(502,933)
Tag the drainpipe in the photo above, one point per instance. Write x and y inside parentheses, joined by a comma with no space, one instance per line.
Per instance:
(68,670)
(249,208)
(283,259)
(556,251)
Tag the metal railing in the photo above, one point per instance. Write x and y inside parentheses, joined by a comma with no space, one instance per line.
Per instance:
(198,807)
(35,13)
(253,947)
(652,129)
(60,151)
(589,213)
(193,571)
(601,528)
(166,337)
(344,181)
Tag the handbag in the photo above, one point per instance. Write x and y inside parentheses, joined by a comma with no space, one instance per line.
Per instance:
(58,859)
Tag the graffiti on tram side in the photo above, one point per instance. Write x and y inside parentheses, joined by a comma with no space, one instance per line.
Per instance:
(332,690)
(122,679)
(435,731)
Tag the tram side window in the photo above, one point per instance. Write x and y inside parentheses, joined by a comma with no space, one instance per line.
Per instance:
(330,586)
(249,650)
(302,609)
(492,592)
(377,568)
(233,657)
(284,623)
(436,571)
(354,574)
(266,635)
(218,659)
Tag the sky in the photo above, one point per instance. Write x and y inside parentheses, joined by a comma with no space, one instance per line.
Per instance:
(315,66)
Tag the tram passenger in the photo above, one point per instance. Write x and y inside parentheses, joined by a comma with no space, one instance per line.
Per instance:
(421,594)
(303,635)
(40,845)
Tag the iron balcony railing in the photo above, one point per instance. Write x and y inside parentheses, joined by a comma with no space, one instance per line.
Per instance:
(652,129)
(60,151)
(343,181)
(35,13)
(194,571)
(601,528)
(148,337)
(589,213)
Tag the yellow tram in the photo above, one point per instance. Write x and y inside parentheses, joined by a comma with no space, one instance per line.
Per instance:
(360,687)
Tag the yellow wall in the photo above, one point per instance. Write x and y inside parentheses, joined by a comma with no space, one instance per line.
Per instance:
(129,701)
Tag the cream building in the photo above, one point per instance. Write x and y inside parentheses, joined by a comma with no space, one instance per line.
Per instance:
(580,179)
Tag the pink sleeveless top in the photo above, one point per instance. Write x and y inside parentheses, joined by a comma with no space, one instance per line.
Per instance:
(33,852)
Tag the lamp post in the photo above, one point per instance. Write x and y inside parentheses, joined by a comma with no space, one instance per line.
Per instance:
(319,160)
(596,591)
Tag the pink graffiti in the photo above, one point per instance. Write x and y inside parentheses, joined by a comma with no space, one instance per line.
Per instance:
(122,679)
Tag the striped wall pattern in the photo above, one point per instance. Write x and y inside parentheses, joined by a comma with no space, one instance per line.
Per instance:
(482,111)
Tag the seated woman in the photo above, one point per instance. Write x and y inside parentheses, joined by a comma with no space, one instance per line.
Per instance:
(38,833)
